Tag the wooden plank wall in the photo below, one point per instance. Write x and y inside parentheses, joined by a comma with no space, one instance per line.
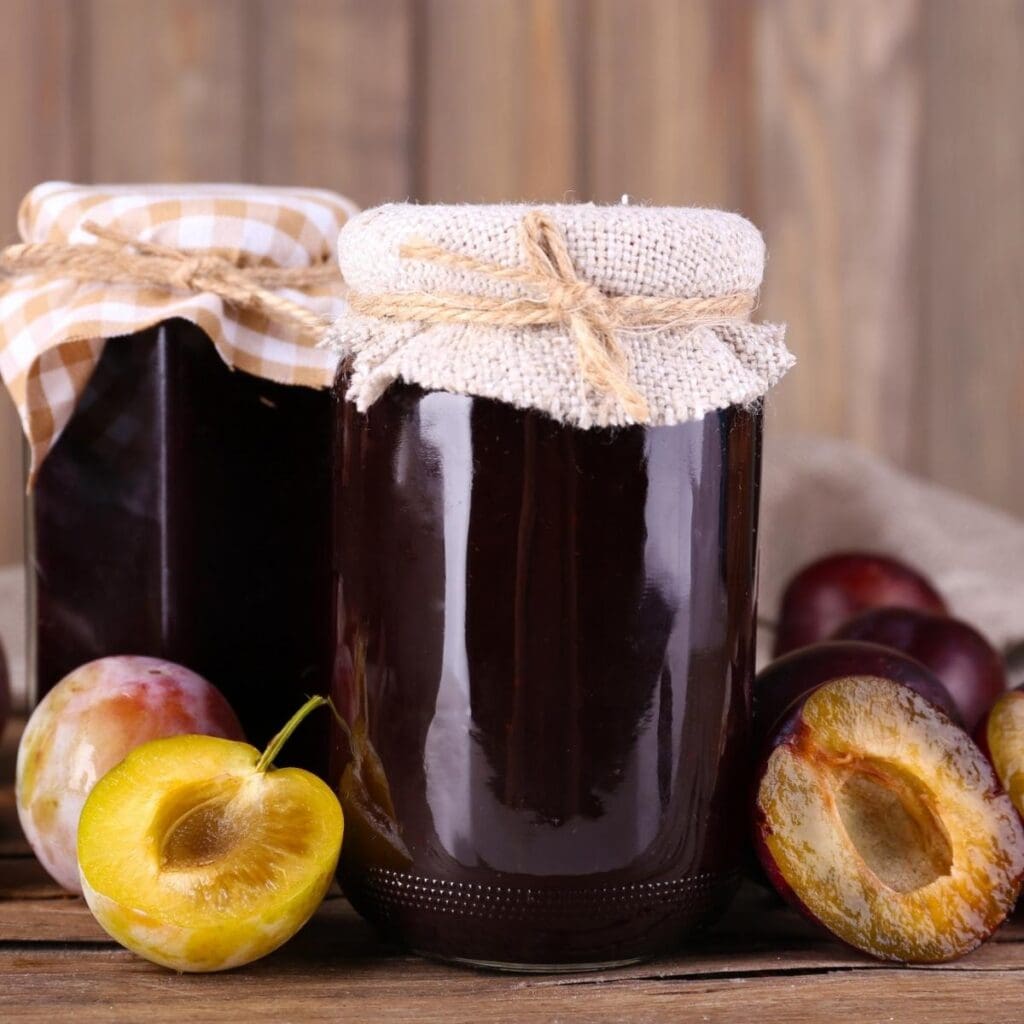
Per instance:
(877,143)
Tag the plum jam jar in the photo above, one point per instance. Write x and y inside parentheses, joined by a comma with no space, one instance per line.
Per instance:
(547,459)
(178,425)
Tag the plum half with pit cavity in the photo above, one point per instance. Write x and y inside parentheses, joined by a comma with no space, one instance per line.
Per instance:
(880,819)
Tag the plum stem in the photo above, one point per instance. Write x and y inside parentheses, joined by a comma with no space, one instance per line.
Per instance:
(275,745)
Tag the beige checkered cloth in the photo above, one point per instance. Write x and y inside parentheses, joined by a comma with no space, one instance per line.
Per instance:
(52,331)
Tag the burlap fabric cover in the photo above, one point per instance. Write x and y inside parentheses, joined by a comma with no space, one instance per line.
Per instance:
(683,371)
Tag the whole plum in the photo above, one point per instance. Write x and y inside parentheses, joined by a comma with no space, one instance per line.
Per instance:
(89,722)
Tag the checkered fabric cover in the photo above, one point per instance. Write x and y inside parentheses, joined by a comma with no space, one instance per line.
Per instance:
(52,332)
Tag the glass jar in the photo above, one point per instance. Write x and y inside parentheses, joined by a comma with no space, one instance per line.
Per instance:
(160,343)
(545,649)
(184,514)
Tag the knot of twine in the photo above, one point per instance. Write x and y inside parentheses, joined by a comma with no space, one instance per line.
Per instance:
(555,294)
(119,258)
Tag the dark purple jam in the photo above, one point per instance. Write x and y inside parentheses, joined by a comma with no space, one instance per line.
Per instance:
(185,514)
(545,652)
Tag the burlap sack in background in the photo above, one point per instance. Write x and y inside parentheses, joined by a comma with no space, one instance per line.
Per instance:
(821,496)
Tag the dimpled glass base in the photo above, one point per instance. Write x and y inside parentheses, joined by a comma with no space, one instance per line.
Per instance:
(556,928)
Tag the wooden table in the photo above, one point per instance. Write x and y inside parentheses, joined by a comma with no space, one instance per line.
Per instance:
(761,964)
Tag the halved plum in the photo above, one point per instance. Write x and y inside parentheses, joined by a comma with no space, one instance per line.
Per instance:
(880,819)
(1001,736)
(197,853)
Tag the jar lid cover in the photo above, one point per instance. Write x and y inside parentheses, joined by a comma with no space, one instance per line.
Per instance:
(595,315)
(101,261)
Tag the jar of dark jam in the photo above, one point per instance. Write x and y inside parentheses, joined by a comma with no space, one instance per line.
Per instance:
(180,483)
(184,513)
(548,644)
(545,629)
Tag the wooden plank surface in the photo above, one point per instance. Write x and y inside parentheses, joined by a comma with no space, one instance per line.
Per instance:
(52,954)
(167,89)
(670,102)
(335,103)
(108,987)
(761,960)
(971,212)
(877,143)
(40,138)
(839,150)
(498,93)
(338,968)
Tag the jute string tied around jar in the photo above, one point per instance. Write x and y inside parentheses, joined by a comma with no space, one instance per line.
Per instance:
(555,294)
(119,258)
(249,266)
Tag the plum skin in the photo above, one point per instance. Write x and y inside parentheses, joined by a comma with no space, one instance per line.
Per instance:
(791,679)
(88,723)
(968,665)
(828,592)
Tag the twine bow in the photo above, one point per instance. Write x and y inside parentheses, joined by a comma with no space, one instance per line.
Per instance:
(555,294)
(118,258)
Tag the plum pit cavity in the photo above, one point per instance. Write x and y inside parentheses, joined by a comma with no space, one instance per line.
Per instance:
(893,828)
(198,827)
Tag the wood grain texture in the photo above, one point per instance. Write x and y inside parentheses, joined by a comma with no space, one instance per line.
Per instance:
(334,88)
(168,90)
(839,127)
(39,110)
(758,934)
(761,960)
(499,103)
(877,143)
(66,920)
(971,215)
(669,102)
(92,981)
(12,842)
